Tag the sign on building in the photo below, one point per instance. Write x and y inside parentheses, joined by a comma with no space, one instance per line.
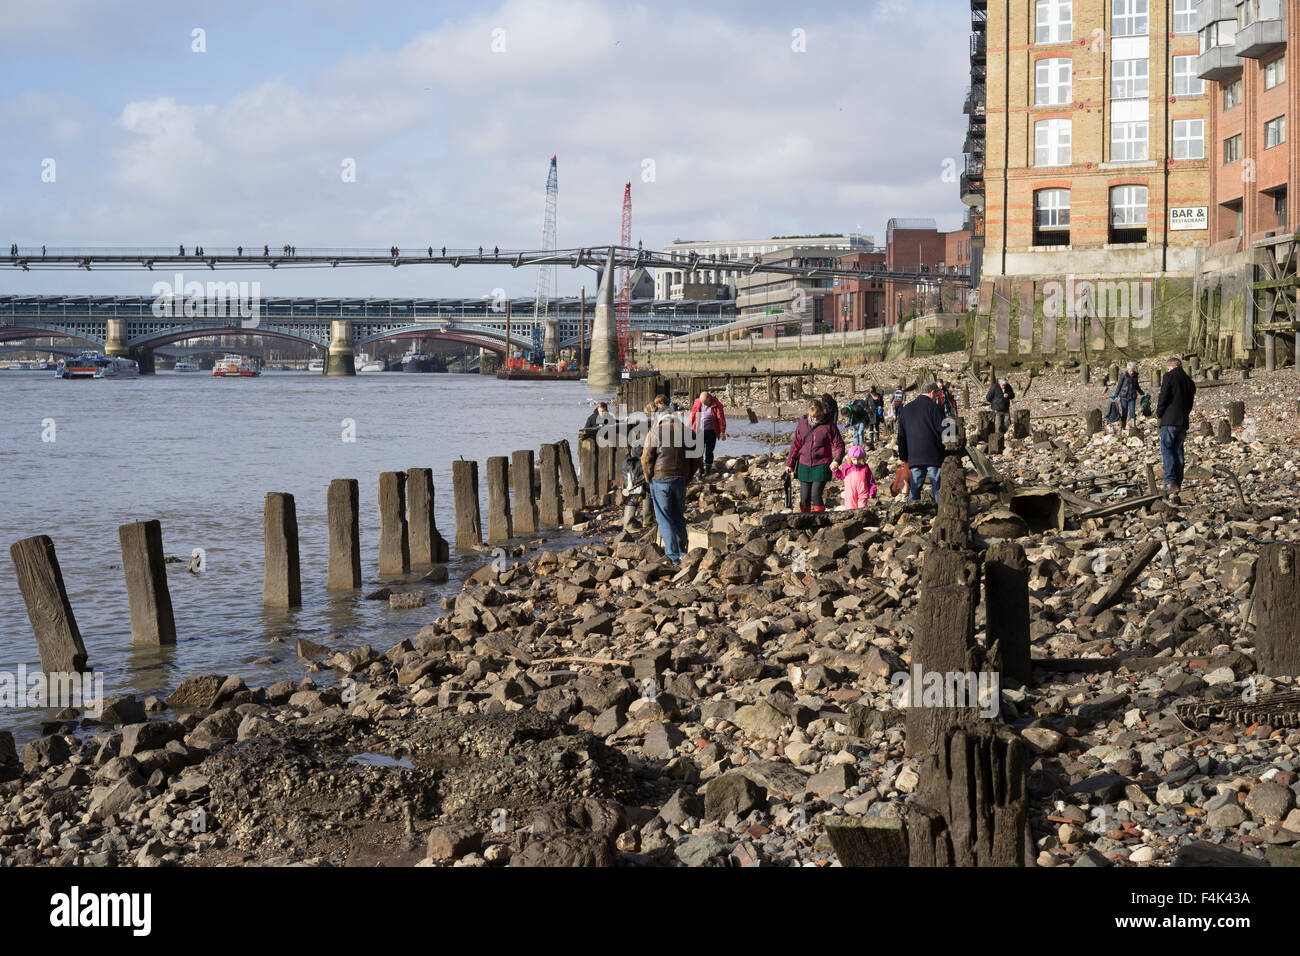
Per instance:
(1189,217)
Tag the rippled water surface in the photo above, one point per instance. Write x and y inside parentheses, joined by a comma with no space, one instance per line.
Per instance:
(199,454)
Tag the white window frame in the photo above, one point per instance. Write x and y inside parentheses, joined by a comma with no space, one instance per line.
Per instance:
(1189,136)
(1052,207)
(1052,147)
(1184,11)
(1053,21)
(1186,82)
(1275,130)
(1275,72)
(1130,79)
(1130,18)
(1130,142)
(1052,77)
(1125,208)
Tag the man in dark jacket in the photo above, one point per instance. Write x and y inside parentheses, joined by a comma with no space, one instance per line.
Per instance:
(599,416)
(920,440)
(669,459)
(1174,408)
(999,398)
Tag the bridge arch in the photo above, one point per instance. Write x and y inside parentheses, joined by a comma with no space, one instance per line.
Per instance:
(157,339)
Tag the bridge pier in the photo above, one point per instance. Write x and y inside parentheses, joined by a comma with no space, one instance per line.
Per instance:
(115,346)
(340,360)
(488,362)
(603,372)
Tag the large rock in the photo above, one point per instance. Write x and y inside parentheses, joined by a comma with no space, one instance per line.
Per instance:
(1269,802)
(732,793)
(453,841)
(196,693)
(149,736)
(45,752)
(761,721)
(740,569)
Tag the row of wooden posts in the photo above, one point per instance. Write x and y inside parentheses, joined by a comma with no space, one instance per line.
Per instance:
(408,537)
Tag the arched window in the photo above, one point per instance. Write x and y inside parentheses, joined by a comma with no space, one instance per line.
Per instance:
(1052,217)
(1128,214)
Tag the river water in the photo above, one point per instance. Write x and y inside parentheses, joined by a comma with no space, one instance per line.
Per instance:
(199,454)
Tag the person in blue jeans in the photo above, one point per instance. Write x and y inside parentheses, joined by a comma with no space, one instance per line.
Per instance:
(920,440)
(669,459)
(1174,409)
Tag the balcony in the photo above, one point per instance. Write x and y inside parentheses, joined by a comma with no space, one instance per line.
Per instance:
(974,105)
(1213,11)
(979,20)
(978,47)
(972,189)
(1260,39)
(1218,63)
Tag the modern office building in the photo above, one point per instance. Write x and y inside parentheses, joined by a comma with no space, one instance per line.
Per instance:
(673,283)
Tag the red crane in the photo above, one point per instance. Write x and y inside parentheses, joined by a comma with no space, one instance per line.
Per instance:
(625,291)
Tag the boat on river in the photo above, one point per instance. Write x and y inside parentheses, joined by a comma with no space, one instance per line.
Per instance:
(97,366)
(237,366)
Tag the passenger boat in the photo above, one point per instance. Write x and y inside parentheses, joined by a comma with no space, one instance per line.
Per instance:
(97,366)
(316,365)
(237,366)
(187,366)
(416,361)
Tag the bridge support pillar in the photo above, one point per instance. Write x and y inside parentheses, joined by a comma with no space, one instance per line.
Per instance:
(604,372)
(488,361)
(342,354)
(115,346)
(551,340)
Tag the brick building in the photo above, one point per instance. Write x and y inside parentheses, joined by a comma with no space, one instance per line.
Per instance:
(1094,172)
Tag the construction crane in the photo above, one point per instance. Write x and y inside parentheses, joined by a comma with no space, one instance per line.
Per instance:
(542,299)
(625,291)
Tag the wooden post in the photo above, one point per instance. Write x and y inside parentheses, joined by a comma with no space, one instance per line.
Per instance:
(427,545)
(1020,423)
(1006,607)
(1236,413)
(1094,421)
(394,544)
(282,579)
(342,504)
(568,477)
(525,494)
(1085,374)
(951,526)
(588,468)
(1270,351)
(551,506)
(943,643)
(464,487)
(41,582)
(145,567)
(1277,607)
(1223,431)
(582,330)
(498,481)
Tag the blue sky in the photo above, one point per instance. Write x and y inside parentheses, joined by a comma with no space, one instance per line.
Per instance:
(451,113)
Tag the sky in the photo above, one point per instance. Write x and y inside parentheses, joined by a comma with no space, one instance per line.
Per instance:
(225,123)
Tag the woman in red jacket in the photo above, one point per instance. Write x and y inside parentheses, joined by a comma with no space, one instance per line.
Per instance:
(817,443)
(707,419)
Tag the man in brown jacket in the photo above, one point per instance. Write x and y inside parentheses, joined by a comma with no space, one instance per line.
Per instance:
(671,456)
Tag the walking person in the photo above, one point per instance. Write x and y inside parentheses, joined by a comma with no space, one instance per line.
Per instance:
(667,465)
(999,399)
(1174,408)
(896,402)
(920,440)
(876,405)
(816,444)
(1127,392)
(708,420)
(859,482)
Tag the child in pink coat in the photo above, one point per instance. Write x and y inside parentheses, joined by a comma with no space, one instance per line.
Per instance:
(859,483)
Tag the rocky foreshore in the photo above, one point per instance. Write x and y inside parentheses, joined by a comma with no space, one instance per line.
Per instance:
(602,706)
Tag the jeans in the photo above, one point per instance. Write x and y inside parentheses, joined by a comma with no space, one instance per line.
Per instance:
(669,496)
(918,479)
(1003,421)
(1171,450)
(858,429)
(710,440)
(1127,410)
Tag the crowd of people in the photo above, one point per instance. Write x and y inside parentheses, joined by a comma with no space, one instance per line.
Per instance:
(675,447)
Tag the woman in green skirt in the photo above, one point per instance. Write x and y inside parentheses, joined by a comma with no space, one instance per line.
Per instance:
(816,445)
